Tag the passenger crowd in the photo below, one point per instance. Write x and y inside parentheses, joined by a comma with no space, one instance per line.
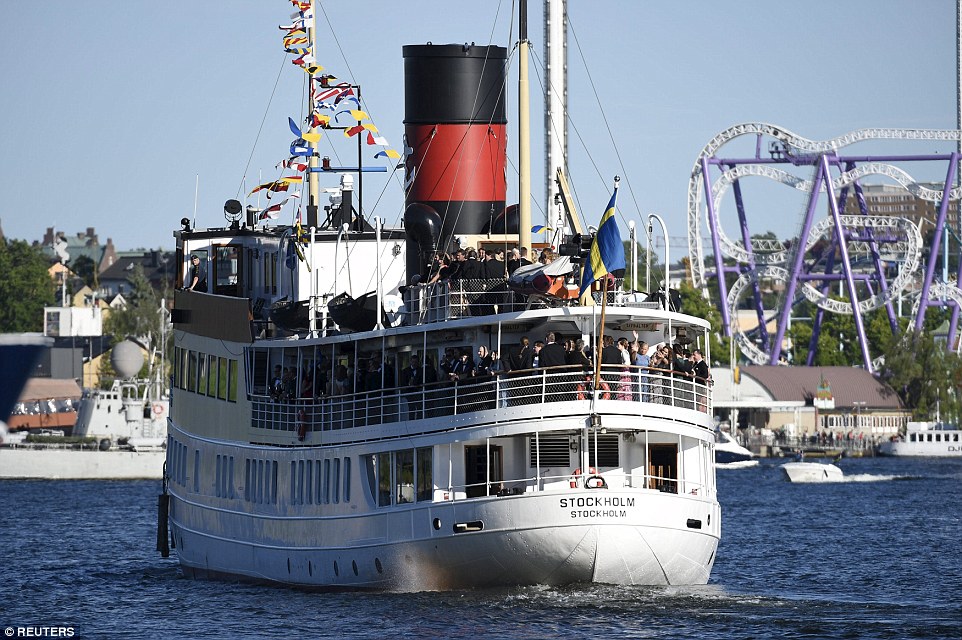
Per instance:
(630,370)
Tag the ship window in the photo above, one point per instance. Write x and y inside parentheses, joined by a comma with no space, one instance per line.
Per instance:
(607,451)
(308,482)
(211,375)
(192,371)
(370,470)
(247,479)
(938,437)
(337,480)
(327,482)
(319,496)
(911,437)
(273,482)
(384,480)
(202,374)
(404,475)
(928,437)
(232,380)
(227,267)
(347,479)
(230,478)
(196,471)
(425,483)
(293,482)
(222,378)
(258,372)
(554,451)
(300,482)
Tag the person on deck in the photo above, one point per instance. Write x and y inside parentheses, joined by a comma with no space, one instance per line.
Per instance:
(198,274)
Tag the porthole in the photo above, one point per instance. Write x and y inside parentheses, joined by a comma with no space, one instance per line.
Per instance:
(354,566)
(377,564)
(437,524)
(310,569)
(336,572)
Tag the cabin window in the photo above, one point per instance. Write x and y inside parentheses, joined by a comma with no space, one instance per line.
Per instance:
(226,268)
(232,380)
(222,378)
(347,479)
(192,371)
(425,467)
(911,437)
(318,486)
(202,373)
(212,376)
(384,480)
(404,476)
(554,450)
(197,470)
(309,482)
(327,482)
(337,480)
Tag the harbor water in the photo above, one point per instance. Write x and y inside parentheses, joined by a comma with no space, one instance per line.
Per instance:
(875,556)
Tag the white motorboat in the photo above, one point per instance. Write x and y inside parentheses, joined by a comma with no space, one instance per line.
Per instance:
(935,439)
(731,455)
(321,436)
(801,471)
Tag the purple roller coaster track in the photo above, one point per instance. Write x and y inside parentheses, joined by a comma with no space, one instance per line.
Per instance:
(857,251)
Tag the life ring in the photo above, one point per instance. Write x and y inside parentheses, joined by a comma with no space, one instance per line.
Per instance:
(603,386)
(576,476)
(158,408)
(605,391)
(301,425)
(595,482)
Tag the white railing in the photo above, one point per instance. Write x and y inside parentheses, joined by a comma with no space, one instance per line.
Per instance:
(618,384)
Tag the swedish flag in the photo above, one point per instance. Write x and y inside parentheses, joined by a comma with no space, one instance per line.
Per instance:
(607,252)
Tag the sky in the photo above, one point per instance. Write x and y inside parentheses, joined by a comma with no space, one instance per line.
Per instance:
(114,114)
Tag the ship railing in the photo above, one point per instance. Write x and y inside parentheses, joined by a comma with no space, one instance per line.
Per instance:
(621,389)
(464,298)
(615,480)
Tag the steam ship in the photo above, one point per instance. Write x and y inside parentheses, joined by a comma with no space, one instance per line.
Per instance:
(323,433)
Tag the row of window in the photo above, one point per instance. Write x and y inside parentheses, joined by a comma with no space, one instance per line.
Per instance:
(927,437)
(401,477)
(178,461)
(849,420)
(205,374)
(319,481)
(260,481)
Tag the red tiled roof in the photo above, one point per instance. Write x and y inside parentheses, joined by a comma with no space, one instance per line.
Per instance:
(849,385)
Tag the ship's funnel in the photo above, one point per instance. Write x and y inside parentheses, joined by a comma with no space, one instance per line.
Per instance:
(454,122)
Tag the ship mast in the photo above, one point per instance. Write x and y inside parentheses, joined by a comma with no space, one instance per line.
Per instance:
(524,128)
(313,177)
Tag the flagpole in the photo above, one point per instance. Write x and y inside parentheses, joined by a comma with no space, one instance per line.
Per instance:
(601,337)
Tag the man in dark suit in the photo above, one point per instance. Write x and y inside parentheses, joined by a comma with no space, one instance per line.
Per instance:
(553,355)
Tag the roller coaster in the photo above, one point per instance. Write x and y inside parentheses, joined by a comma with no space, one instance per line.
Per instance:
(874,259)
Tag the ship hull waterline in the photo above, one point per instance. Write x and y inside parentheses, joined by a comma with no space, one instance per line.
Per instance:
(611,537)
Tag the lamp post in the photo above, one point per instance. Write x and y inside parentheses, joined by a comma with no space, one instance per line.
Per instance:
(664,230)
(858,404)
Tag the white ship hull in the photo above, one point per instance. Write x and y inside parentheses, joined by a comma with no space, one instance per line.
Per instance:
(640,538)
(76,464)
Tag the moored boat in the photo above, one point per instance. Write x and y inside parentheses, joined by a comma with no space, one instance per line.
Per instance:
(935,439)
(443,446)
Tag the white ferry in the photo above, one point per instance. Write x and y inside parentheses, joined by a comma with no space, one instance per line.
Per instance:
(935,439)
(324,433)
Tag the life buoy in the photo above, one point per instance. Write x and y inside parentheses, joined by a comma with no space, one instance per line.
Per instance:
(576,476)
(158,408)
(595,482)
(605,391)
(603,386)
(301,425)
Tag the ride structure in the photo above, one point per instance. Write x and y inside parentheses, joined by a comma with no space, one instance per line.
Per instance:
(872,258)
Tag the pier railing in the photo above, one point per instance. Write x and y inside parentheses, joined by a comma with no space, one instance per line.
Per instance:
(619,385)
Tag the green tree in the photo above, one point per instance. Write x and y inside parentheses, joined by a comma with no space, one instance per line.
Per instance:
(925,375)
(86,270)
(141,317)
(695,304)
(25,288)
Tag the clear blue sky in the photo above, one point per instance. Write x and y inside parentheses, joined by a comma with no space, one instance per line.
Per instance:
(110,109)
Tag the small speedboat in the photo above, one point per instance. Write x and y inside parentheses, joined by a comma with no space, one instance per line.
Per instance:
(731,455)
(800,471)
